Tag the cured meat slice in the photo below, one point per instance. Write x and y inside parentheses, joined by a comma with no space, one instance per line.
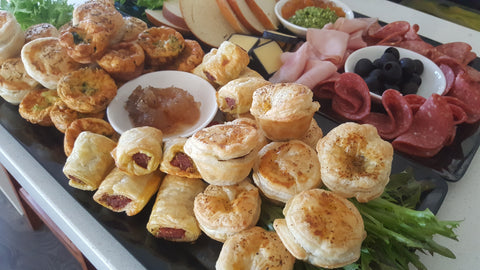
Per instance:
(352,96)
(418,46)
(398,117)
(326,88)
(432,128)
(458,109)
(449,77)
(328,44)
(415,102)
(459,50)
(468,91)
(391,33)
(315,72)
(293,65)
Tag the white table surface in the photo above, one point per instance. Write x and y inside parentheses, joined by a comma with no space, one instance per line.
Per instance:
(461,202)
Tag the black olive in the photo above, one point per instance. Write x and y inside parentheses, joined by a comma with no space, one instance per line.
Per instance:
(392,71)
(409,88)
(363,67)
(415,78)
(387,57)
(378,63)
(393,51)
(418,66)
(408,67)
(373,82)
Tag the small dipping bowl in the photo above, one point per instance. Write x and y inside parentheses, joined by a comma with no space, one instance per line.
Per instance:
(302,31)
(201,90)
(433,79)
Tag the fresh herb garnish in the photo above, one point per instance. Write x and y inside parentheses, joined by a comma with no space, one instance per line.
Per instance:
(31,12)
(395,230)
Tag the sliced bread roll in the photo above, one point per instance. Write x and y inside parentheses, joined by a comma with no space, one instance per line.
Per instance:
(231,17)
(264,10)
(246,16)
(171,11)
(206,21)
(157,18)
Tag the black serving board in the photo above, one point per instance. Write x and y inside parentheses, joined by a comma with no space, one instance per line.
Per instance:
(45,144)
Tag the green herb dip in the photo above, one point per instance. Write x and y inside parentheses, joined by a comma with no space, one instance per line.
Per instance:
(313,17)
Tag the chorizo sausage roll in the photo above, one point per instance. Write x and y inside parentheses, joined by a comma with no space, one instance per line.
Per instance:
(121,192)
(176,162)
(139,150)
(172,216)
(90,161)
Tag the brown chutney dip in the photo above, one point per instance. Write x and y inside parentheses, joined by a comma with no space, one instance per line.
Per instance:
(171,109)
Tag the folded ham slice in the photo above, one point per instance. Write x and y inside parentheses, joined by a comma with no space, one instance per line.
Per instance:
(433,127)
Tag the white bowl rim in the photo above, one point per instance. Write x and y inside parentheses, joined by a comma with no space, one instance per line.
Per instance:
(433,79)
(301,31)
(198,87)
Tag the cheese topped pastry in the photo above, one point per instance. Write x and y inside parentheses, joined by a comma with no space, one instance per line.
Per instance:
(321,228)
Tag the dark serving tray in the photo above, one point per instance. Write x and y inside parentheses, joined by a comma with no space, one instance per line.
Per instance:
(45,144)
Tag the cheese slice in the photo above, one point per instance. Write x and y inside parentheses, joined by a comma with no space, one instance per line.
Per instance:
(246,42)
(268,57)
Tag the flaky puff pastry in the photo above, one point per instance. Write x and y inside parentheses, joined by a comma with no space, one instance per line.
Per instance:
(62,116)
(313,134)
(90,161)
(87,90)
(15,83)
(189,58)
(219,66)
(121,192)
(321,228)
(356,161)
(91,124)
(284,110)
(172,216)
(123,61)
(236,96)
(284,169)
(254,248)
(222,211)
(41,30)
(47,61)
(176,162)
(161,45)
(224,153)
(36,106)
(139,150)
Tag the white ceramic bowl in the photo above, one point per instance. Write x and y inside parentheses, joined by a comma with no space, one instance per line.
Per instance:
(201,90)
(302,31)
(433,79)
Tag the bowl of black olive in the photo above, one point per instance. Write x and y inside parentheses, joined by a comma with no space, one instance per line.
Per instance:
(386,67)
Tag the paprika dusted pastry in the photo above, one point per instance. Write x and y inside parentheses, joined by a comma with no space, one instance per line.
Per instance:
(90,161)
(172,216)
(41,30)
(321,228)
(176,162)
(355,161)
(139,150)
(223,211)
(254,248)
(224,153)
(121,192)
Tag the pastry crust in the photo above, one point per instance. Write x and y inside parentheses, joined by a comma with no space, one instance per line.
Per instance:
(123,61)
(189,58)
(236,96)
(91,124)
(284,169)
(41,30)
(139,150)
(219,66)
(36,106)
(12,37)
(176,162)
(132,27)
(314,233)
(313,134)
(15,83)
(254,248)
(47,61)
(62,116)
(161,44)
(172,216)
(121,192)
(284,110)
(90,161)
(224,154)
(222,211)
(356,161)
(87,90)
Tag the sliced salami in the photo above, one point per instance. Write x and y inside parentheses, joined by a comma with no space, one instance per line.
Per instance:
(432,128)
(468,91)
(459,50)
(391,33)
(398,117)
(352,96)
(326,88)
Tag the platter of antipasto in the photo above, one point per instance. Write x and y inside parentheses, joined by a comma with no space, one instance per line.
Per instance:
(261,103)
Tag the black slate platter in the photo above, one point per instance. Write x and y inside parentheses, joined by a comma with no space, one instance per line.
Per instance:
(45,144)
